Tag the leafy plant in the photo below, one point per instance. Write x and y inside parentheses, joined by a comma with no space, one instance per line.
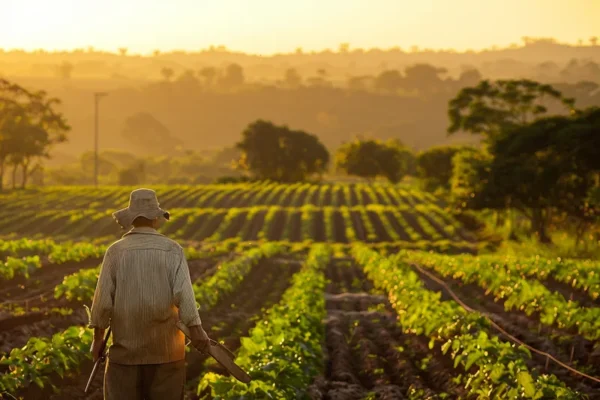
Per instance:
(283,352)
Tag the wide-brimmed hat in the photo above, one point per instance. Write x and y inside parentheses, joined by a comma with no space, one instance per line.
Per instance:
(142,203)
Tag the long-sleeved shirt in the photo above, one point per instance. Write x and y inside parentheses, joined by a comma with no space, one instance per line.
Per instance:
(144,288)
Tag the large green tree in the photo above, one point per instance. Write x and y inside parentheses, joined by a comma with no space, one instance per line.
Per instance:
(280,154)
(434,166)
(545,169)
(491,108)
(372,158)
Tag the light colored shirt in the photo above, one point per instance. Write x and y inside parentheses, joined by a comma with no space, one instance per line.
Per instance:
(144,288)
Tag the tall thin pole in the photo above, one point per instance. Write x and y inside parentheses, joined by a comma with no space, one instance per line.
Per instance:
(97,97)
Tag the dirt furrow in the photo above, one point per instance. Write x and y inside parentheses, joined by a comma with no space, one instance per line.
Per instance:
(367,354)
(42,280)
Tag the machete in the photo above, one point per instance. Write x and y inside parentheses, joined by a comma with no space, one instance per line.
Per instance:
(223,356)
(99,361)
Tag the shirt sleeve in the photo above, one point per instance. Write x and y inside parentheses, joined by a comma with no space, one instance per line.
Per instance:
(102,305)
(183,294)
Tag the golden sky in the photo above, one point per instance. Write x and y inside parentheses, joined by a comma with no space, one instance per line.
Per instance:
(270,26)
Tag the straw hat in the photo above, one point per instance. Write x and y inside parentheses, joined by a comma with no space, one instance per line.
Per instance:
(142,203)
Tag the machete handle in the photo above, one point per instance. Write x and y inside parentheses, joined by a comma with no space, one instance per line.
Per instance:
(99,361)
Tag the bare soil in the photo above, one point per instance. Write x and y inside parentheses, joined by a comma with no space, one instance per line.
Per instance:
(367,352)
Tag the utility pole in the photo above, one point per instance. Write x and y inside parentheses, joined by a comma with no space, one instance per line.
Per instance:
(97,97)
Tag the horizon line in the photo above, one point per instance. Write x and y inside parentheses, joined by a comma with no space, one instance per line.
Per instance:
(413,49)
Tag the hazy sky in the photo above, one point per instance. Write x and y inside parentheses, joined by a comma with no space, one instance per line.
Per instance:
(269,26)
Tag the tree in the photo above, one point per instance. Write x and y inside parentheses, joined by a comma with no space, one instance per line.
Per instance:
(424,78)
(148,134)
(594,40)
(233,77)
(389,81)
(187,80)
(543,169)
(372,158)
(359,158)
(491,108)
(167,73)
(123,51)
(292,78)
(344,48)
(280,154)
(434,166)
(396,162)
(469,77)
(29,127)
(209,74)
(65,70)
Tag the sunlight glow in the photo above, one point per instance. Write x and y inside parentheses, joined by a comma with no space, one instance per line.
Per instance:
(268,26)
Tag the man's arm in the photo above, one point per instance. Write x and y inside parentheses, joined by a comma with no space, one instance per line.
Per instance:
(183,293)
(102,304)
(185,301)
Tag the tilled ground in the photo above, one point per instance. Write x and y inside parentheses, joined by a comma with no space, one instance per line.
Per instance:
(367,352)
(529,330)
(229,320)
(571,293)
(41,281)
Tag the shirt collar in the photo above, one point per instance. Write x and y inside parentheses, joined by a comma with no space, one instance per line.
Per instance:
(143,229)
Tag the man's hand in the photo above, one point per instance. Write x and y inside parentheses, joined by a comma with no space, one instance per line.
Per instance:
(199,338)
(95,349)
(97,343)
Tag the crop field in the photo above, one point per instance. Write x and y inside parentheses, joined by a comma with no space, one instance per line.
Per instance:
(295,213)
(323,292)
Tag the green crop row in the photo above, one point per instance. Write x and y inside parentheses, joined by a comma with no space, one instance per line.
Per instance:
(492,368)
(25,247)
(530,296)
(41,357)
(220,196)
(283,351)
(14,267)
(55,253)
(583,275)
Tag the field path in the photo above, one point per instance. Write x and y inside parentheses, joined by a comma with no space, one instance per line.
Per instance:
(367,352)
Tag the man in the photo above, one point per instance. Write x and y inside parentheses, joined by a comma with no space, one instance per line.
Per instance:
(143,290)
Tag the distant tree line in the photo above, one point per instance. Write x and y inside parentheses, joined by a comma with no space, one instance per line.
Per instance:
(530,59)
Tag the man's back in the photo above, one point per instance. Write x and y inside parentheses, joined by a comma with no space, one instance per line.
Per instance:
(147,276)
(143,290)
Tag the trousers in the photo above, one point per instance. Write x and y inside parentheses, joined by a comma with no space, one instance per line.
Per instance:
(144,382)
